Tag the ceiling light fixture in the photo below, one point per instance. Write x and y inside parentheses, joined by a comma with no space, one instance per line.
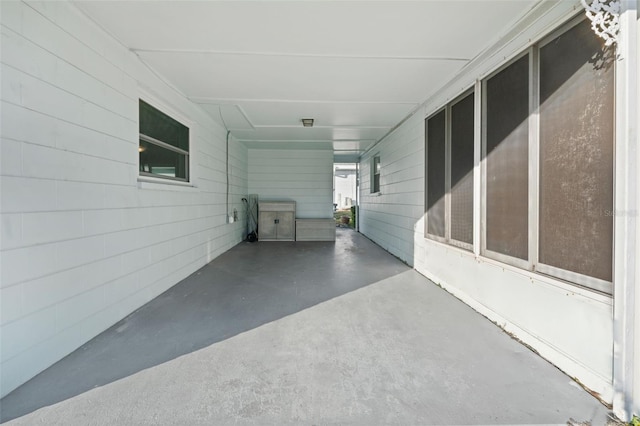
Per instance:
(307,122)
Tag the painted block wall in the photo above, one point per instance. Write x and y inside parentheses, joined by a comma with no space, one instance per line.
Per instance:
(570,326)
(303,176)
(83,242)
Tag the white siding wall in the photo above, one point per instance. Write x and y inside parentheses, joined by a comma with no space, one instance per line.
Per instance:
(83,242)
(569,326)
(389,217)
(303,176)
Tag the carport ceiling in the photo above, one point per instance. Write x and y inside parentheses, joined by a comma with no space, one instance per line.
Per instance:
(357,67)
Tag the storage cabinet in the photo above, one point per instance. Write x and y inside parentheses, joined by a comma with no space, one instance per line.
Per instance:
(277,221)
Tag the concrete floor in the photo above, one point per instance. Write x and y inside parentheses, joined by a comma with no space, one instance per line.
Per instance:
(302,333)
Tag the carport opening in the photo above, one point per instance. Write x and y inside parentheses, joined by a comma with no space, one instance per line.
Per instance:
(345,195)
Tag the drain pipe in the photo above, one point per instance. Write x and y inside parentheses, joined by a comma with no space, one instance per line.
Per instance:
(229,216)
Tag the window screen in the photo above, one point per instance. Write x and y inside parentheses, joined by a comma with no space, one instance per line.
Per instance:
(507,168)
(435,135)
(576,153)
(462,132)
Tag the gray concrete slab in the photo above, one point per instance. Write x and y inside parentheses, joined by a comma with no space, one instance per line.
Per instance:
(303,333)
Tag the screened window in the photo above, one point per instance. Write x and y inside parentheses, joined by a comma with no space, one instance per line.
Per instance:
(462,141)
(507,160)
(164,145)
(449,136)
(436,185)
(375,174)
(576,153)
(555,100)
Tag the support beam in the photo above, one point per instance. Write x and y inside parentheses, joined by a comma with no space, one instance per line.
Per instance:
(625,361)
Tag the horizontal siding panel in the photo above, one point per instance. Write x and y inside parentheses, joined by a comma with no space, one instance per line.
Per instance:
(305,177)
(83,242)
(10,157)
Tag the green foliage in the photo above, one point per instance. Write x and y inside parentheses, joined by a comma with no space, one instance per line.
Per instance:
(353,216)
(635,421)
(338,214)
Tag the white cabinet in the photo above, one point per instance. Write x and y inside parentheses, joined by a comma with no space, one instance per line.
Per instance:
(277,221)
(315,230)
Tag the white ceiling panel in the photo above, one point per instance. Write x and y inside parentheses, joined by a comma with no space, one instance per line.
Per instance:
(352,146)
(302,78)
(279,113)
(233,117)
(315,134)
(357,67)
(442,28)
(289,145)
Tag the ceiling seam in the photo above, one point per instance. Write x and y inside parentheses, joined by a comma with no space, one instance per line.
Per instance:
(301,55)
(338,126)
(215,101)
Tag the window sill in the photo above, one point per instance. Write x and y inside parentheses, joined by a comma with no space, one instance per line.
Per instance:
(536,277)
(147,182)
(375,194)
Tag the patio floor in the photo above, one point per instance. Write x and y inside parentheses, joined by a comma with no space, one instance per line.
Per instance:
(303,333)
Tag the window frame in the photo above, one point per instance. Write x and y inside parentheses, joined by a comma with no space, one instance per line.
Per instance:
(426,174)
(447,178)
(375,163)
(484,251)
(554,271)
(144,176)
(531,264)
(448,168)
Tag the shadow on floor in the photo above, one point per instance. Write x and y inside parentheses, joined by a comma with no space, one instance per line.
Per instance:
(250,285)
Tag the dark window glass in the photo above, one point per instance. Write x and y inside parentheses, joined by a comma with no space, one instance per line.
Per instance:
(462,131)
(164,145)
(375,187)
(161,161)
(576,153)
(435,135)
(507,161)
(158,125)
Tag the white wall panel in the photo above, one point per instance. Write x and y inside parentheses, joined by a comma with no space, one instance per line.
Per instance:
(83,242)
(388,218)
(304,176)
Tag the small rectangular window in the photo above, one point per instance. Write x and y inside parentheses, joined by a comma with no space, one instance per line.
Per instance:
(163,145)
(375,174)
(507,160)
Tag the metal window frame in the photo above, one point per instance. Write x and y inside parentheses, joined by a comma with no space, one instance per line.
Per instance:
(554,271)
(477,167)
(373,189)
(447,239)
(456,100)
(163,144)
(501,257)
(479,246)
(426,175)
(575,278)
(185,153)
